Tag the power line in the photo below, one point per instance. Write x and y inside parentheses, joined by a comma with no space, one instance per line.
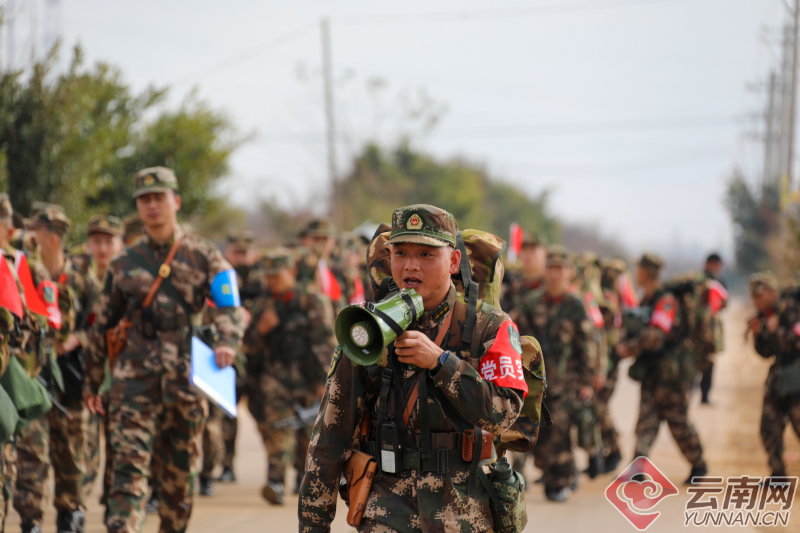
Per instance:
(507,12)
(239,58)
(533,130)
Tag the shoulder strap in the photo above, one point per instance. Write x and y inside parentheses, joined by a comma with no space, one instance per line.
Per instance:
(161,275)
(470,290)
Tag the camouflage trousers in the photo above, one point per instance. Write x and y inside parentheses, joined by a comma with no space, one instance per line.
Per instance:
(51,439)
(774,415)
(553,451)
(671,404)
(8,474)
(91,431)
(417,502)
(608,431)
(212,440)
(230,426)
(141,431)
(285,446)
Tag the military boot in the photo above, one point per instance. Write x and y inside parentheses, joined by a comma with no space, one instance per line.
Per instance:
(557,494)
(68,522)
(612,462)
(227,475)
(152,504)
(596,465)
(30,528)
(206,486)
(696,472)
(273,492)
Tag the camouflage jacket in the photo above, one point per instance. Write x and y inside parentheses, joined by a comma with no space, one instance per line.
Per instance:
(77,292)
(157,370)
(250,286)
(30,345)
(569,340)
(351,390)
(291,359)
(784,343)
(515,290)
(664,330)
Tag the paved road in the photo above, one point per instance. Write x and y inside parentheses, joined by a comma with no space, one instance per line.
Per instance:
(728,429)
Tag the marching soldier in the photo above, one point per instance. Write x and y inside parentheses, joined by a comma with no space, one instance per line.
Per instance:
(775,329)
(559,320)
(153,410)
(666,368)
(59,437)
(532,260)
(288,346)
(437,490)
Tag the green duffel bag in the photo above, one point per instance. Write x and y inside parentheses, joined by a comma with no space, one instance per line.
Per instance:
(28,395)
(789,380)
(8,416)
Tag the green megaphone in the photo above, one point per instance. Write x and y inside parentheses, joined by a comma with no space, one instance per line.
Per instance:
(363,331)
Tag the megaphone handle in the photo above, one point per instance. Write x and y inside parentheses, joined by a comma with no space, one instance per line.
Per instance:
(389,321)
(407,299)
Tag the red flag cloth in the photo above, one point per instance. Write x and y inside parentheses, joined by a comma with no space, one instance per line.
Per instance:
(32,300)
(593,310)
(48,292)
(515,240)
(358,294)
(9,292)
(502,364)
(664,314)
(328,282)
(626,292)
(717,296)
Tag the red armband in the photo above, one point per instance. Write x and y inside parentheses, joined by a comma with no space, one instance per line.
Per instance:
(502,364)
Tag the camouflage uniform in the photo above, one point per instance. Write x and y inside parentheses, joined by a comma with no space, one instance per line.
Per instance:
(417,498)
(664,351)
(569,344)
(55,439)
(286,367)
(784,346)
(154,411)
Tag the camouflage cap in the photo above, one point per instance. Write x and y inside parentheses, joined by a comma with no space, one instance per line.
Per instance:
(319,228)
(154,179)
(651,262)
(133,225)
(763,281)
(5,206)
(276,260)
(51,218)
(423,224)
(614,263)
(533,239)
(240,240)
(108,224)
(558,255)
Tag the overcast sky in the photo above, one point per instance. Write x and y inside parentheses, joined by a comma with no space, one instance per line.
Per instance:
(633,113)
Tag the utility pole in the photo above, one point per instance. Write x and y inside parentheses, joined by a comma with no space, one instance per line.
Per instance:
(327,77)
(793,97)
(769,137)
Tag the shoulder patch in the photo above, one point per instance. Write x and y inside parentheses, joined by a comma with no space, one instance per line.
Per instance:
(337,355)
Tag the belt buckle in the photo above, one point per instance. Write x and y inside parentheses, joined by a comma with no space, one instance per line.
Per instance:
(164,271)
(442,461)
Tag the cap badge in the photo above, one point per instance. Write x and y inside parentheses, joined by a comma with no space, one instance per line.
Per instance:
(414,222)
(148,180)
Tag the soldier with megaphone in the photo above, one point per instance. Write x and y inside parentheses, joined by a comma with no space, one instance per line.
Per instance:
(430,377)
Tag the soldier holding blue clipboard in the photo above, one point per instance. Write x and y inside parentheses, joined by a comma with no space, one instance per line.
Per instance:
(151,303)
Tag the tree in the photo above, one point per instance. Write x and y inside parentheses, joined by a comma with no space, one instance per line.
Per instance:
(381,181)
(756,216)
(77,138)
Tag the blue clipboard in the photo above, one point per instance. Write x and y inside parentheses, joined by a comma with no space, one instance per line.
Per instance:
(215,383)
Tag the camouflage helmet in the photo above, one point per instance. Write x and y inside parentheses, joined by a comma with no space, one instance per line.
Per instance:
(276,260)
(532,239)
(652,263)
(50,217)
(107,224)
(154,179)
(763,281)
(559,255)
(423,224)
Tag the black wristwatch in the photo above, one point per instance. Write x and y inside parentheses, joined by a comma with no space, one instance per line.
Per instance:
(440,364)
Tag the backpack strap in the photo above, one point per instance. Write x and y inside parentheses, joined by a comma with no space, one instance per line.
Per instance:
(470,290)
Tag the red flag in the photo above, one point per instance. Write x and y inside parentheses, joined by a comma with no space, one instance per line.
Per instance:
(358,293)
(9,292)
(626,292)
(502,364)
(593,310)
(32,300)
(328,282)
(48,292)
(664,314)
(717,296)
(515,242)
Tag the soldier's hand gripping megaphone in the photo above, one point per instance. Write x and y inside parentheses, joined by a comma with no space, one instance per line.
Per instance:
(363,331)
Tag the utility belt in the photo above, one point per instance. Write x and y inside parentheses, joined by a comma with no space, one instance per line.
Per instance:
(149,322)
(445,454)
